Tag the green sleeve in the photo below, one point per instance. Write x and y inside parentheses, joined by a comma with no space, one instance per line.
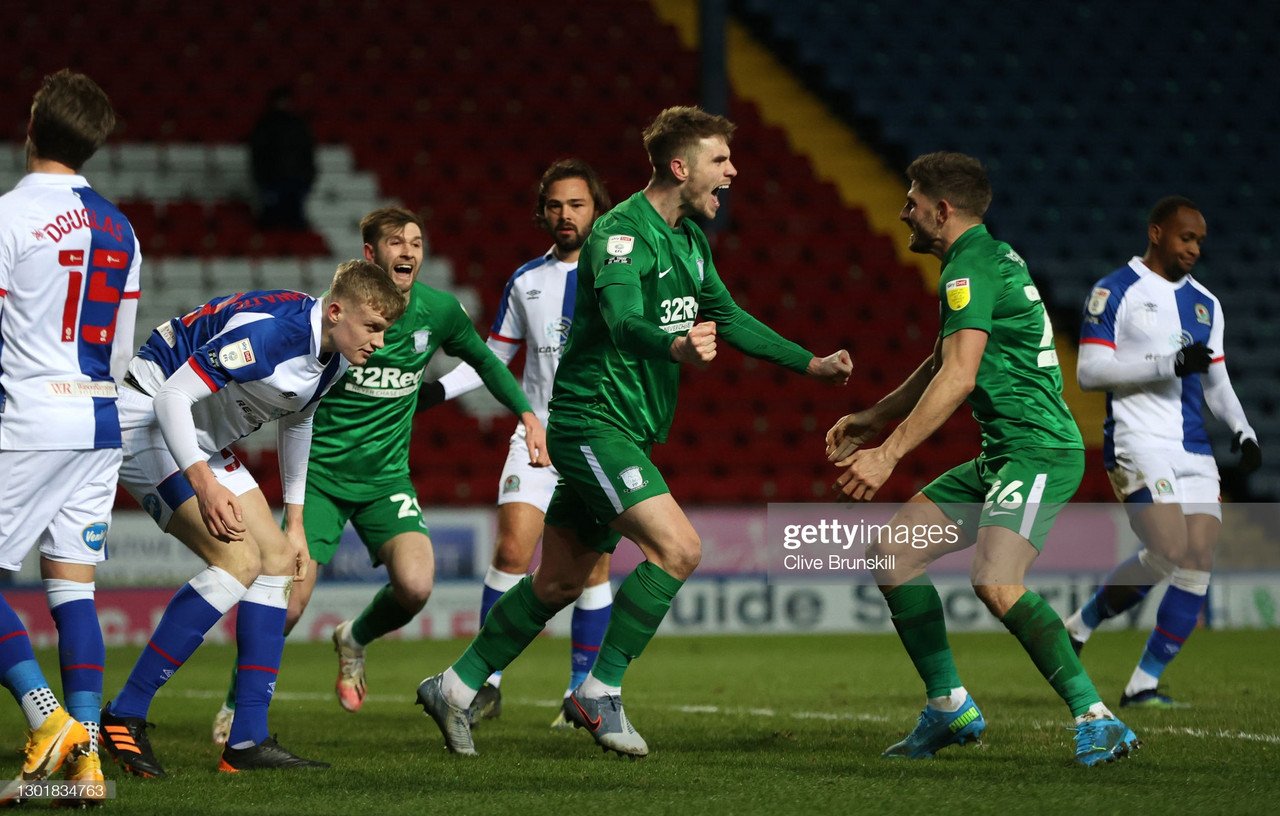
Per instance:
(622,307)
(464,342)
(968,295)
(623,257)
(743,331)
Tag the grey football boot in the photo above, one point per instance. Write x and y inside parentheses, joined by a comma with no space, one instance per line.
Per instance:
(453,721)
(604,718)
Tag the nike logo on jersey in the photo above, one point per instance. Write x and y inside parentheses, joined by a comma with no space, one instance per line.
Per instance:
(663,273)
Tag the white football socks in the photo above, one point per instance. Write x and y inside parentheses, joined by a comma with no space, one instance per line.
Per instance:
(593,689)
(38,704)
(1076,628)
(950,703)
(1140,681)
(456,692)
(1097,711)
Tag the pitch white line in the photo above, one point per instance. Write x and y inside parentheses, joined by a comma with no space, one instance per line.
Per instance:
(759,713)
(1200,733)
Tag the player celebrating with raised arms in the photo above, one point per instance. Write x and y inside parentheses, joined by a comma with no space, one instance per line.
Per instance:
(644,278)
(1151,332)
(199,383)
(536,311)
(69,283)
(994,349)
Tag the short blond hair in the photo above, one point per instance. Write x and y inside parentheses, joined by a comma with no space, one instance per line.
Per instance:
(359,281)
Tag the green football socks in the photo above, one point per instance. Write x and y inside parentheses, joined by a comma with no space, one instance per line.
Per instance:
(638,609)
(383,614)
(1040,631)
(511,625)
(917,615)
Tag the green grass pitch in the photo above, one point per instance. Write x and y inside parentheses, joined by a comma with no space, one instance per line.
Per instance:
(736,725)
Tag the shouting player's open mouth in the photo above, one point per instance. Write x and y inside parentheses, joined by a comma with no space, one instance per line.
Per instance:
(402,274)
(715,197)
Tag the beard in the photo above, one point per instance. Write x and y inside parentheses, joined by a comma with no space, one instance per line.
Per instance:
(919,242)
(568,243)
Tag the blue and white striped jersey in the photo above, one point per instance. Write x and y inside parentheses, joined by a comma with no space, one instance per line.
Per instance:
(1144,317)
(68,257)
(259,352)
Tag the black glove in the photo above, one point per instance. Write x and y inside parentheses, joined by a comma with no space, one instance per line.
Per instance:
(1250,453)
(1192,359)
(430,395)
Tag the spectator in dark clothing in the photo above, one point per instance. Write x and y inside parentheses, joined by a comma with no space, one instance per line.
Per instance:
(283,155)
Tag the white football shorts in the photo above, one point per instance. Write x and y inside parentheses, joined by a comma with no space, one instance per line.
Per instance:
(521,481)
(150,473)
(1167,476)
(58,500)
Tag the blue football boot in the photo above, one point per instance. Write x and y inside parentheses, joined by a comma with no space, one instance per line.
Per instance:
(936,730)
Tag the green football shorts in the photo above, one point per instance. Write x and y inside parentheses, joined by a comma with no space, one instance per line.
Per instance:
(603,472)
(377,521)
(1022,491)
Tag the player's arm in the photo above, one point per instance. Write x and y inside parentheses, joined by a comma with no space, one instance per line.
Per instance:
(967,294)
(622,307)
(122,346)
(219,508)
(751,336)
(464,341)
(1099,368)
(1222,400)
(506,335)
(615,268)
(293,441)
(1225,405)
(868,469)
(464,378)
(853,430)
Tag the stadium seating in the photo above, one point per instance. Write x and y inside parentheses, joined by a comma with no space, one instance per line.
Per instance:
(458,122)
(1081,134)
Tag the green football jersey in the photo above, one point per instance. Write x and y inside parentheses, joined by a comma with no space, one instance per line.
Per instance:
(360,439)
(633,245)
(1017,399)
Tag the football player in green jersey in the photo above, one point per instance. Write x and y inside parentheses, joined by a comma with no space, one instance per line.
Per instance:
(995,350)
(359,465)
(645,277)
